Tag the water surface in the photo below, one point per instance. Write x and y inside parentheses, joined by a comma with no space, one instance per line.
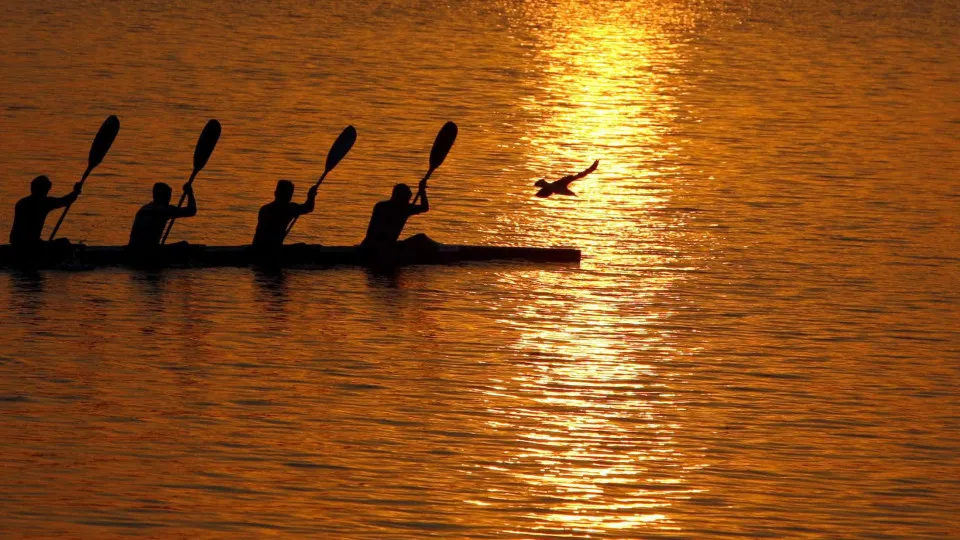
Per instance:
(762,339)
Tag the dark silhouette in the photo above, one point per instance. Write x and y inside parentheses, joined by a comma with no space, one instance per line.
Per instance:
(379,247)
(275,217)
(562,186)
(152,217)
(201,154)
(31,212)
(98,150)
(337,152)
(390,216)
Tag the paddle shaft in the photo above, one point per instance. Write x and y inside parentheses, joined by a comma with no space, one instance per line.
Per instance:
(67,208)
(183,197)
(295,218)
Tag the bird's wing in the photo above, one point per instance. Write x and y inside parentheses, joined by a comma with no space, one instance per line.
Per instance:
(567,180)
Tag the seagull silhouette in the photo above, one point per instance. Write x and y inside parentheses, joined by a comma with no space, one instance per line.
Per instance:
(562,186)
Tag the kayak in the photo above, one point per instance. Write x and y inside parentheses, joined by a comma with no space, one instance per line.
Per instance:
(82,257)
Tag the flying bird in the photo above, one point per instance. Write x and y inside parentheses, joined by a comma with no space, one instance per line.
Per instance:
(562,186)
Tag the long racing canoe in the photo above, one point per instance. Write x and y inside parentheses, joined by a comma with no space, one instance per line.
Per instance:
(82,257)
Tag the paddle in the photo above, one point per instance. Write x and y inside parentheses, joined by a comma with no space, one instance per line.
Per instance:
(98,150)
(337,152)
(205,145)
(441,147)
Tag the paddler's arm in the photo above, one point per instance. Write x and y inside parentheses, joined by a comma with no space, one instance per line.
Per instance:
(191,209)
(424,203)
(60,202)
(308,205)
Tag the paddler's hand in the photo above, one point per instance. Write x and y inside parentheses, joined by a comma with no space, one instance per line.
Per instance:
(77,187)
(312,192)
(422,185)
(188,189)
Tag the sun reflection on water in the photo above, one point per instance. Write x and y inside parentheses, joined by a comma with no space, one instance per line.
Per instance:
(601,451)
(602,454)
(605,94)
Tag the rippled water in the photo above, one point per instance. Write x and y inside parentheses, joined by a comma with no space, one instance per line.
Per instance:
(762,339)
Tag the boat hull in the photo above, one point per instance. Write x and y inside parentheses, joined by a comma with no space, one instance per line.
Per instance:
(297,255)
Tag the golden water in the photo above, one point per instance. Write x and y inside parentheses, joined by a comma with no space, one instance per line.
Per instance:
(762,339)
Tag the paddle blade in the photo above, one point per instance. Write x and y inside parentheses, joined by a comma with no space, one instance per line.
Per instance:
(205,144)
(340,147)
(103,141)
(442,145)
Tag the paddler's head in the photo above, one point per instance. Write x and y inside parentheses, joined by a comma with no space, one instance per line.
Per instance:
(162,193)
(40,186)
(284,191)
(401,193)
(541,183)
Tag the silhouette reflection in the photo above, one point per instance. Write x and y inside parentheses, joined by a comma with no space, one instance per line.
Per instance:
(273,288)
(28,289)
(390,278)
(151,284)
